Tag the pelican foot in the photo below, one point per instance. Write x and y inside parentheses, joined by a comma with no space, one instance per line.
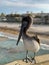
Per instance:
(27,59)
(33,60)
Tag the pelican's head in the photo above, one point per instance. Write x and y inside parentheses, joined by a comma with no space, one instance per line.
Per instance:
(26,22)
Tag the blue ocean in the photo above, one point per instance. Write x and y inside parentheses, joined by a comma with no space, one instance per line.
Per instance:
(10,52)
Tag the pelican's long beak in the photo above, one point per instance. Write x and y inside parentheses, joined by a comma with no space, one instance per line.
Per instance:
(20,34)
(24,24)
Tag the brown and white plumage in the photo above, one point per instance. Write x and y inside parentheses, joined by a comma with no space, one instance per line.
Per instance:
(30,43)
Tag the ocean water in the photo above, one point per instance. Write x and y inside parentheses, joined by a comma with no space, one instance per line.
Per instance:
(10,52)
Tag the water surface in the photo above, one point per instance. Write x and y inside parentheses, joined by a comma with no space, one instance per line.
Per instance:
(10,52)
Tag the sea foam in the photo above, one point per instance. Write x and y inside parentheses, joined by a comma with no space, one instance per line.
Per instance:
(44,46)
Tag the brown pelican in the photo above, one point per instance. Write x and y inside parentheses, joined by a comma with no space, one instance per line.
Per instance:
(30,43)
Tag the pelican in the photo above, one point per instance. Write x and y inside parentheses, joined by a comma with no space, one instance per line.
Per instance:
(31,43)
